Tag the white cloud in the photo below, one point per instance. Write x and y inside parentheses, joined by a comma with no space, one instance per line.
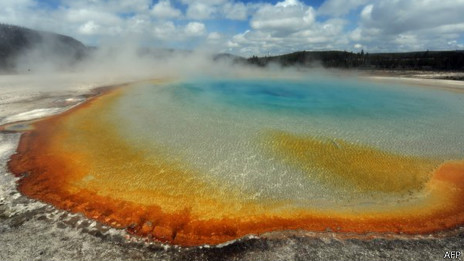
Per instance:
(200,11)
(405,25)
(164,31)
(129,6)
(94,22)
(288,25)
(318,36)
(355,35)
(217,9)
(394,17)
(366,13)
(84,15)
(235,11)
(138,24)
(339,7)
(89,28)
(163,9)
(207,2)
(284,17)
(113,6)
(287,3)
(214,36)
(195,29)
(19,12)
(455,45)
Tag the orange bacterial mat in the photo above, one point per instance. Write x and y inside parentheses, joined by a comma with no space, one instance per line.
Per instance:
(79,162)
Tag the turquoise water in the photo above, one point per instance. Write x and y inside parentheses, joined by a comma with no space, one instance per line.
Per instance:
(353,99)
(409,119)
(216,126)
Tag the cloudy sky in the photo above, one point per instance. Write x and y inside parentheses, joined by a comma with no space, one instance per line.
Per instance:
(247,27)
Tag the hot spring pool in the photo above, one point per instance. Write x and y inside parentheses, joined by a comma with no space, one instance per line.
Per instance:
(209,160)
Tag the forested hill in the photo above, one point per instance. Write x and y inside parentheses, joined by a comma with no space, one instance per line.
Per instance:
(427,60)
(18,42)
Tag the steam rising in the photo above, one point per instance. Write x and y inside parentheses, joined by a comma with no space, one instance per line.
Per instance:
(43,53)
(45,69)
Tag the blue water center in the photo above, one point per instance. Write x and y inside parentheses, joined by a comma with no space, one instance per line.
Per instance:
(334,98)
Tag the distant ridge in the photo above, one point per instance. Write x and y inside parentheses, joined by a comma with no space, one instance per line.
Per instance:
(426,60)
(16,41)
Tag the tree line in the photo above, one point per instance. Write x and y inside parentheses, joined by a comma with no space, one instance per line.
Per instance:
(426,60)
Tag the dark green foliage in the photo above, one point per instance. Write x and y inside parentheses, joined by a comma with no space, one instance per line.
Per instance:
(428,60)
